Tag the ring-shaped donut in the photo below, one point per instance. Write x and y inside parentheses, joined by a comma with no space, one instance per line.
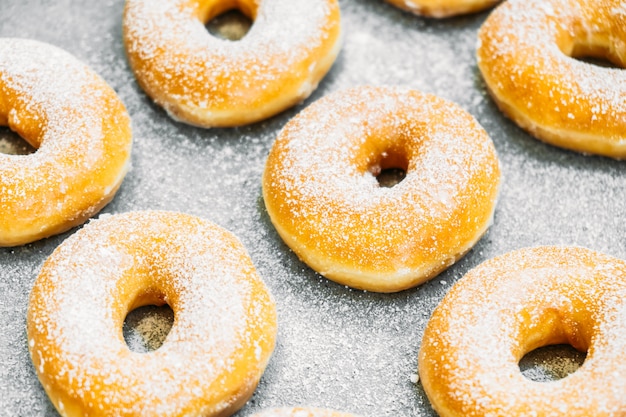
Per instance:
(301,412)
(206,81)
(513,304)
(82,134)
(442,8)
(210,362)
(322,195)
(526,54)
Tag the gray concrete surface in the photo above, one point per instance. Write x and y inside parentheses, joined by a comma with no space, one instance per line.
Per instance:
(338,348)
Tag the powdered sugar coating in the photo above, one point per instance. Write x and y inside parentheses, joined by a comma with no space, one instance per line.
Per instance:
(337,348)
(520,301)
(525,55)
(207,81)
(324,199)
(224,318)
(82,133)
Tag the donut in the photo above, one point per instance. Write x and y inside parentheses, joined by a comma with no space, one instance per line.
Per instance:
(205,81)
(210,362)
(82,134)
(301,412)
(322,195)
(513,304)
(442,9)
(527,54)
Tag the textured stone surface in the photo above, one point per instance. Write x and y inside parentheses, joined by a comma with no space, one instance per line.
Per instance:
(337,348)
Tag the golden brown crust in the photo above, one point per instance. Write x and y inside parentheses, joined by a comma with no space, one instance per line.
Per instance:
(82,132)
(525,56)
(442,9)
(327,206)
(211,361)
(513,304)
(205,81)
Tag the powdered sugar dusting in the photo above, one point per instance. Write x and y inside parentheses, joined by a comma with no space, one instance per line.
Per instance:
(50,86)
(337,348)
(320,189)
(183,65)
(470,350)
(61,107)
(525,51)
(197,268)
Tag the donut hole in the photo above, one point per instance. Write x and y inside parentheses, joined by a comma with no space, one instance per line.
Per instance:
(232,25)
(598,61)
(389,168)
(13,144)
(146,328)
(390,177)
(551,363)
(596,54)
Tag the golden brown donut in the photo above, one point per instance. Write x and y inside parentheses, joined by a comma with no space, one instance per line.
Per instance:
(82,134)
(301,412)
(526,54)
(442,8)
(513,304)
(224,319)
(322,195)
(206,81)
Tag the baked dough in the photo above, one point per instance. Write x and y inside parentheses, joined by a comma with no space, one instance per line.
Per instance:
(525,56)
(513,304)
(210,362)
(206,81)
(322,195)
(441,8)
(82,134)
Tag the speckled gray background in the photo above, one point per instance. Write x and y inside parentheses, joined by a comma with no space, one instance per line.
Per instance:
(337,347)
